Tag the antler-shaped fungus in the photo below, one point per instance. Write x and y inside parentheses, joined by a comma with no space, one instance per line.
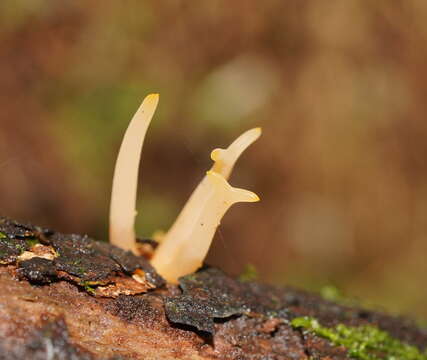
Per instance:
(185,246)
(187,242)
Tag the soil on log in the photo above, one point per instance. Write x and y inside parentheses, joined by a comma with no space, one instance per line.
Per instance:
(71,297)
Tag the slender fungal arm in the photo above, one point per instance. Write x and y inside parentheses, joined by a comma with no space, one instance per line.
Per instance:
(226,158)
(125,180)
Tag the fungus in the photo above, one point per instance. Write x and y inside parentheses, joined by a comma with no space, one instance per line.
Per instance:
(185,246)
(125,180)
(183,250)
(224,160)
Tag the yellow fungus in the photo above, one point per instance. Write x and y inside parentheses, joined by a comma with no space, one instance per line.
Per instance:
(170,258)
(187,243)
(185,246)
(125,180)
(226,158)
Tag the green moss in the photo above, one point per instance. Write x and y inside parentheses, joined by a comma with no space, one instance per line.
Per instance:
(249,273)
(31,242)
(90,289)
(20,248)
(363,342)
(79,268)
(81,271)
(332,293)
(3,235)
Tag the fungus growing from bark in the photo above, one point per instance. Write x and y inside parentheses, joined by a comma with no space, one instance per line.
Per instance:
(185,246)
(125,180)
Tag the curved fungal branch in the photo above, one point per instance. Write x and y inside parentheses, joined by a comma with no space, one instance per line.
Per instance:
(226,158)
(187,244)
(125,180)
(178,237)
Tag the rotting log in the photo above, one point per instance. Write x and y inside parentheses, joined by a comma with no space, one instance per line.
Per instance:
(71,297)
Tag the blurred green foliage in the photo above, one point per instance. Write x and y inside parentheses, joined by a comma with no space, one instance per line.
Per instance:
(249,273)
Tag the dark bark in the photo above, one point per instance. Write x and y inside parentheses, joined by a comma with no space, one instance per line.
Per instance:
(70,297)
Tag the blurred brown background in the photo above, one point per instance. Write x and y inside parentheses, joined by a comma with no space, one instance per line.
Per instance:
(339,88)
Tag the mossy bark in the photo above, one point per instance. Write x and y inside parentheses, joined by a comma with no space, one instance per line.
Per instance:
(70,297)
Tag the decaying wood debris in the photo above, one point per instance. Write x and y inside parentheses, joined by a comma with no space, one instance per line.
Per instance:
(71,297)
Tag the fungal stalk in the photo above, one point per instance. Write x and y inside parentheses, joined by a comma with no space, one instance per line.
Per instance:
(224,161)
(186,244)
(125,180)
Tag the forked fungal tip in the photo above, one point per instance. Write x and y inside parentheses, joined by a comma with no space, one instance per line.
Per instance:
(224,159)
(234,194)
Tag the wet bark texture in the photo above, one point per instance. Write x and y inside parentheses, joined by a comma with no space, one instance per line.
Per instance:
(70,297)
